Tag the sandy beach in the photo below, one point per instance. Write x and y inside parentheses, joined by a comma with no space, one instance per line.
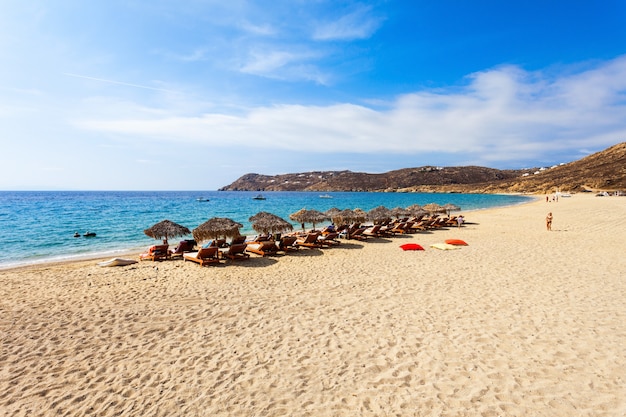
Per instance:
(521,322)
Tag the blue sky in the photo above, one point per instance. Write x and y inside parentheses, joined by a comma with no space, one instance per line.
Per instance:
(190,95)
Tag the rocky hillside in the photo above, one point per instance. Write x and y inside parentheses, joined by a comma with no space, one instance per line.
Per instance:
(604,170)
(358,181)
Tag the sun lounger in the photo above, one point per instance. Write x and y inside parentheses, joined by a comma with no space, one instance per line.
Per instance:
(309,241)
(451,221)
(402,228)
(156,253)
(287,243)
(328,239)
(439,223)
(373,231)
(265,248)
(205,256)
(237,251)
(356,233)
(238,240)
(419,226)
(183,246)
(220,243)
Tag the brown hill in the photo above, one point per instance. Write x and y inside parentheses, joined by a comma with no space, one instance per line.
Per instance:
(359,181)
(605,170)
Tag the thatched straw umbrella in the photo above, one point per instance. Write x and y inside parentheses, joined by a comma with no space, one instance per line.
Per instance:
(449,207)
(215,228)
(303,216)
(332,213)
(315,216)
(359,215)
(348,216)
(379,214)
(298,216)
(264,222)
(434,208)
(340,218)
(416,210)
(399,212)
(166,229)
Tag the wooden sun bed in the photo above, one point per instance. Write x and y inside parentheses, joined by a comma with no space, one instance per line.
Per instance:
(205,256)
(265,248)
(156,253)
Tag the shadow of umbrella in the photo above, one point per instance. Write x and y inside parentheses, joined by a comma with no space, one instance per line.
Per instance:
(264,222)
(166,229)
(215,228)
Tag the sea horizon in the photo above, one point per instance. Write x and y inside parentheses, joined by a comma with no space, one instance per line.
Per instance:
(39,226)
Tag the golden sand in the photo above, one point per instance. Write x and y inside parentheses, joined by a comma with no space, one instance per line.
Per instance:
(522,322)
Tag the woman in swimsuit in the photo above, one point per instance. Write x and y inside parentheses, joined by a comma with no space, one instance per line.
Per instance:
(549,221)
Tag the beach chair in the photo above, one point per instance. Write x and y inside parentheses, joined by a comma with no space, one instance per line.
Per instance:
(287,243)
(265,248)
(237,240)
(373,231)
(439,223)
(156,253)
(328,239)
(419,226)
(309,241)
(205,256)
(183,246)
(402,228)
(236,252)
(451,221)
(356,233)
(431,223)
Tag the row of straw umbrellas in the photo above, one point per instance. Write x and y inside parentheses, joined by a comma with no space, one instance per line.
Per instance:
(264,222)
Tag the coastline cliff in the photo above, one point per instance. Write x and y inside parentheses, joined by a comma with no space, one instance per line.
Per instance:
(605,170)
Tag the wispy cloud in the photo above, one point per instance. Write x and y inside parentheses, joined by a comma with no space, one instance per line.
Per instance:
(359,24)
(198,54)
(268,62)
(265,29)
(285,65)
(503,114)
(145,87)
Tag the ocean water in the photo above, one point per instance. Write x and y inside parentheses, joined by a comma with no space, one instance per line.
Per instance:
(39,226)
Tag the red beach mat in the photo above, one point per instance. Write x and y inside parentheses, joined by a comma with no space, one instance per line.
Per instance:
(458,242)
(411,246)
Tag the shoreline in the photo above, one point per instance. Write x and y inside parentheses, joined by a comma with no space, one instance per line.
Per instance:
(136,250)
(521,321)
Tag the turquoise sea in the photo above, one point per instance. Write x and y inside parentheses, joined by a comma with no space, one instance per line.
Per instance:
(39,226)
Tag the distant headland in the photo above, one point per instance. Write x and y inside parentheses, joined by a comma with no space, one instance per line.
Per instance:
(601,171)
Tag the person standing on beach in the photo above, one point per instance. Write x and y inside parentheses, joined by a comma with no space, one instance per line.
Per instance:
(549,221)
(460,220)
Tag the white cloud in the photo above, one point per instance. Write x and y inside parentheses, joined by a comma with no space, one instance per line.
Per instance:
(269,62)
(359,24)
(265,29)
(502,114)
(285,65)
